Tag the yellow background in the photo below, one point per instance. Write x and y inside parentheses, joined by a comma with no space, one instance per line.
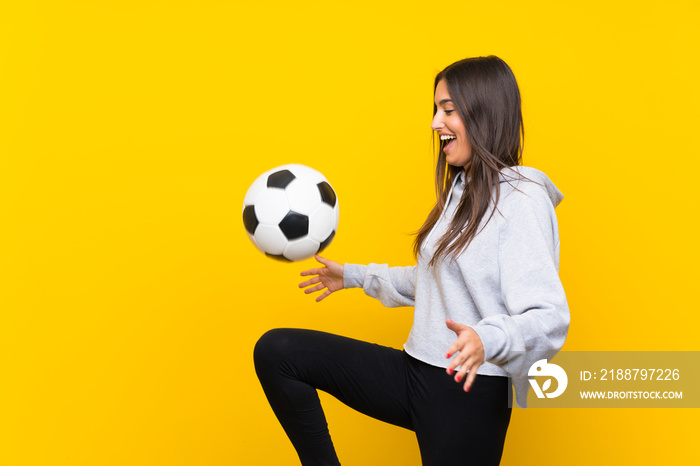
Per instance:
(131,298)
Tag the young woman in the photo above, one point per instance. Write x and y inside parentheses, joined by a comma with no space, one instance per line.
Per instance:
(486,294)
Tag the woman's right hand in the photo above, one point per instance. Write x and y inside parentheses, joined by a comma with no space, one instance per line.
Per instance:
(329,277)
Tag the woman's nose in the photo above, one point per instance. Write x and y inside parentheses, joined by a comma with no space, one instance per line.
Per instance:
(436,124)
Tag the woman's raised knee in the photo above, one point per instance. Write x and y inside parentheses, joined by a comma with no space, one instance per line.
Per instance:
(272,346)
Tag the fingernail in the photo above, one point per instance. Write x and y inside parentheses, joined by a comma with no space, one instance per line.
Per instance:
(466,388)
(448,356)
(450,371)
(458,378)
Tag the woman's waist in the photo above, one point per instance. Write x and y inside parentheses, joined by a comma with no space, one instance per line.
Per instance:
(436,357)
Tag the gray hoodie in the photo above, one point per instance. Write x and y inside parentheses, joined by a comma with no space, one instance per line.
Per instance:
(505,285)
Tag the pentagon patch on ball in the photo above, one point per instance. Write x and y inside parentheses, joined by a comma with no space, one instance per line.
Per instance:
(291,212)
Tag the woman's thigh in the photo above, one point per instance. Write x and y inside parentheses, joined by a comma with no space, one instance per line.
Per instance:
(369,378)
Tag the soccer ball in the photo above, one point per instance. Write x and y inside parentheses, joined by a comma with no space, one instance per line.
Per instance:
(291,212)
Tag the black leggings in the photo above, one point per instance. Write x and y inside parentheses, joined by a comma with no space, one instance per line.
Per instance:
(452,427)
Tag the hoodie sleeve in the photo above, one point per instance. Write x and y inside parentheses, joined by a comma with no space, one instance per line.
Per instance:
(537,319)
(393,286)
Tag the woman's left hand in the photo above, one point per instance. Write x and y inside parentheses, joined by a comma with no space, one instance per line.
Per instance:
(468,351)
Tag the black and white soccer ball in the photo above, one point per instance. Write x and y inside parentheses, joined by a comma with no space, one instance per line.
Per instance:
(291,212)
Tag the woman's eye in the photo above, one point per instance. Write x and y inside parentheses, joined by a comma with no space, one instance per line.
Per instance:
(448,112)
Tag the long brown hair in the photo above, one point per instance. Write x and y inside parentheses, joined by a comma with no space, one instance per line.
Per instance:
(486,97)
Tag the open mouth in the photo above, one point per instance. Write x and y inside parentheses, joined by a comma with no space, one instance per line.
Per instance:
(447,141)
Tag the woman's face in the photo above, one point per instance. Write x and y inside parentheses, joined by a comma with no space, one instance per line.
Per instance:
(449,125)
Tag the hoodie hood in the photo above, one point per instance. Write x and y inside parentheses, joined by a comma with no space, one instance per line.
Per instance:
(518,172)
(511,175)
